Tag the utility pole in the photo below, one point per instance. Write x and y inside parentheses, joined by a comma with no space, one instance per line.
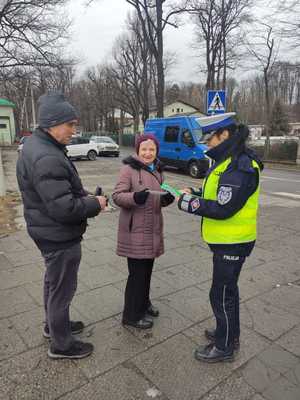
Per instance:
(2,177)
(33,108)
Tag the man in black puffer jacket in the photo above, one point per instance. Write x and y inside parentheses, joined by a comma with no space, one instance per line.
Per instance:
(56,208)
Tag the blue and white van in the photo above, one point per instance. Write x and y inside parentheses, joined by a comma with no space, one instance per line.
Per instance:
(180,140)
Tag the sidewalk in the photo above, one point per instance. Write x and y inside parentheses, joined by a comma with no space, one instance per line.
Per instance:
(132,365)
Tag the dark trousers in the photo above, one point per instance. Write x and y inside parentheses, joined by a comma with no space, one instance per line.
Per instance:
(137,288)
(224,298)
(60,283)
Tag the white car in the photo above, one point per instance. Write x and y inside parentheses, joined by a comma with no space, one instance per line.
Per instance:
(105,146)
(80,147)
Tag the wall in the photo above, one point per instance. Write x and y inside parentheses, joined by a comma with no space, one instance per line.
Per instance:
(8,135)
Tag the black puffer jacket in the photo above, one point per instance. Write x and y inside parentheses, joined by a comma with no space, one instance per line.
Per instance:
(56,206)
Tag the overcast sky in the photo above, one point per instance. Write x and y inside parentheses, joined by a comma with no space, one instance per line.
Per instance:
(96,27)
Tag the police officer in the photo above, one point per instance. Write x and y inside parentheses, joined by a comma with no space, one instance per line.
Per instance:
(227,203)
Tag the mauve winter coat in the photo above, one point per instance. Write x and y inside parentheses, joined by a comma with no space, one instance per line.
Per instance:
(140,232)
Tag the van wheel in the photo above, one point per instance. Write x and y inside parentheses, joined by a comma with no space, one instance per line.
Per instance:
(92,155)
(194,170)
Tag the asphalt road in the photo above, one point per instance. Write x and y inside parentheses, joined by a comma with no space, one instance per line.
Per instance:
(281,183)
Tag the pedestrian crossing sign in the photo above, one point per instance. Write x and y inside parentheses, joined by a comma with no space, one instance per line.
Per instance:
(216,101)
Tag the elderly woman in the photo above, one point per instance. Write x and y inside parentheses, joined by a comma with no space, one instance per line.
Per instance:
(140,236)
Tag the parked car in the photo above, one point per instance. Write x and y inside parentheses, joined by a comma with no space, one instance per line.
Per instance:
(105,146)
(80,147)
(21,142)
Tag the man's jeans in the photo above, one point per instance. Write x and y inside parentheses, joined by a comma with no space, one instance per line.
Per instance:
(60,283)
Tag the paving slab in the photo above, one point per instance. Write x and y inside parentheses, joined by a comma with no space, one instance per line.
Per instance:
(124,382)
(19,276)
(33,376)
(233,388)
(168,324)
(101,275)
(15,301)
(278,359)
(191,302)
(282,389)
(182,276)
(259,375)
(291,341)
(267,319)
(10,341)
(113,345)
(172,367)
(99,304)
(285,297)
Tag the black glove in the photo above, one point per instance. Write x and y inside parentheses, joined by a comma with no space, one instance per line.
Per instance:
(98,191)
(141,197)
(166,199)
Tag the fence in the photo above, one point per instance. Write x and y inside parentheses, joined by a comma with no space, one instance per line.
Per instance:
(127,138)
(279,151)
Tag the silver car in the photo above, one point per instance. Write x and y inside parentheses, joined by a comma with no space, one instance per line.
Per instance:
(105,146)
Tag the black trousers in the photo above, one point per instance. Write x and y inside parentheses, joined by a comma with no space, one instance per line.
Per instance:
(60,283)
(137,288)
(224,298)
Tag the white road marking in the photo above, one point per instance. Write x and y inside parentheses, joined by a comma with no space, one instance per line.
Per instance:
(285,194)
(280,179)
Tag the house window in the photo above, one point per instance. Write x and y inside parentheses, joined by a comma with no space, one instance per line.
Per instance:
(3,126)
(178,110)
(182,110)
(171,134)
(172,109)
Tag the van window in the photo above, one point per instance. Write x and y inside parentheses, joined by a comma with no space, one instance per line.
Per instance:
(187,138)
(171,134)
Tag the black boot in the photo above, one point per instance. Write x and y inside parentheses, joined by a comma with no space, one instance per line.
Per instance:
(210,335)
(211,354)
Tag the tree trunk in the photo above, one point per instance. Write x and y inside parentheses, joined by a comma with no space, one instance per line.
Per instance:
(267,125)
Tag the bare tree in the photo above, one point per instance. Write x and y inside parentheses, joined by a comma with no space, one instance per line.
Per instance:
(289,12)
(264,51)
(31,32)
(218,25)
(154,16)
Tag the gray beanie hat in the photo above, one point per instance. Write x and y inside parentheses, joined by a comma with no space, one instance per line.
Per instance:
(54,110)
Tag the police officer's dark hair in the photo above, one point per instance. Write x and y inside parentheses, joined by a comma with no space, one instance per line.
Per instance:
(232,129)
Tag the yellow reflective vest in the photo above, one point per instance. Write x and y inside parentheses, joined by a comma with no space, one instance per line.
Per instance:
(241,227)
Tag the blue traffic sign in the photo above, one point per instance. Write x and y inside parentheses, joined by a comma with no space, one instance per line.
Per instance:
(216,101)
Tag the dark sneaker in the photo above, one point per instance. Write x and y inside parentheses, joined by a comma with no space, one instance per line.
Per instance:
(152,311)
(78,349)
(143,323)
(211,354)
(210,335)
(76,328)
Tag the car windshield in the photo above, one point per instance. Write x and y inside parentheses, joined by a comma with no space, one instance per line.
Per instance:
(197,133)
